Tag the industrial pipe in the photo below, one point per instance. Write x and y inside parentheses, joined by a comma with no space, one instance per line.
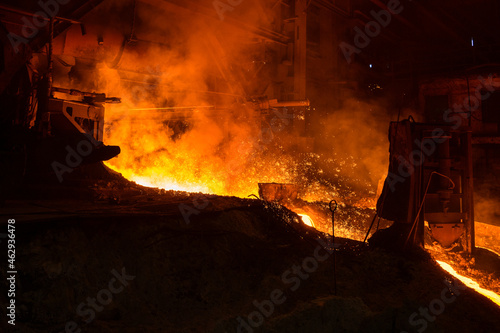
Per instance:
(273,103)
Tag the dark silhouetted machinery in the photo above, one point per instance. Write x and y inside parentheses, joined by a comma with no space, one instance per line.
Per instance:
(429,185)
(42,134)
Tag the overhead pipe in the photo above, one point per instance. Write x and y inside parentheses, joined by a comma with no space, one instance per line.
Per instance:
(273,103)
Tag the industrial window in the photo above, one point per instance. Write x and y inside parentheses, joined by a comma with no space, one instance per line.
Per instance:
(491,107)
(435,106)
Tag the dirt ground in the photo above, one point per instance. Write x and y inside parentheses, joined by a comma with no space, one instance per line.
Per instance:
(117,257)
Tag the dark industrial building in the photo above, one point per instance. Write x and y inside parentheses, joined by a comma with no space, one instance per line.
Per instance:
(250,165)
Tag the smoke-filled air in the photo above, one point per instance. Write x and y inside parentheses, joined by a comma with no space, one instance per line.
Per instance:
(187,122)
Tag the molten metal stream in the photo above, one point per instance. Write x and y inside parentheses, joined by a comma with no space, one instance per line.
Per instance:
(307,219)
(470,283)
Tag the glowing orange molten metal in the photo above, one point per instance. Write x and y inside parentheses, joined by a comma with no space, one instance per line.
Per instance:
(470,283)
(307,219)
(214,154)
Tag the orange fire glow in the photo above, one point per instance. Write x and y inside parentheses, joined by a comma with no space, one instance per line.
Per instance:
(222,144)
(215,155)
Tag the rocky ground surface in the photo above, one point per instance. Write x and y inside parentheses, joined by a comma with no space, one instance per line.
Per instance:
(117,257)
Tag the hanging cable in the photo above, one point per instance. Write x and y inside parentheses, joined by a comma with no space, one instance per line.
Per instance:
(423,200)
(132,28)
